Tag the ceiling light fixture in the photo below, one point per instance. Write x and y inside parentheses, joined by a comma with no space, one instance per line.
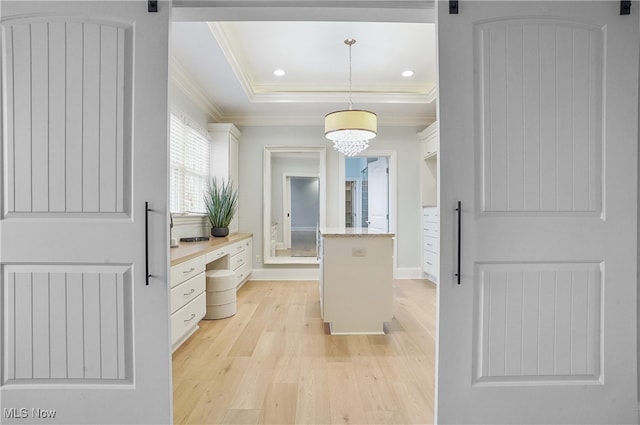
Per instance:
(279,72)
(351,129)
(407,73)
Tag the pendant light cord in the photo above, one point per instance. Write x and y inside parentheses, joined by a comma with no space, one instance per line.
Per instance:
(350,79)
(350,42)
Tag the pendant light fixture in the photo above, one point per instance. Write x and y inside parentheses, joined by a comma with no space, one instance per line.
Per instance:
(350,129)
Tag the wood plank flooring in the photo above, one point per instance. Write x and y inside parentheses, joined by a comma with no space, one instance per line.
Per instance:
(274,362)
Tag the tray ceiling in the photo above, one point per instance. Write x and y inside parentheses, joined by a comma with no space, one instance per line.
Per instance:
(228,67)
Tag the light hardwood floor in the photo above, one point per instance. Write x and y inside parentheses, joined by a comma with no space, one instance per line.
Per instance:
(275,363)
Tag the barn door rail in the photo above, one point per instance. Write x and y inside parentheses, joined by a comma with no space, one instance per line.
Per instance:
(625,7)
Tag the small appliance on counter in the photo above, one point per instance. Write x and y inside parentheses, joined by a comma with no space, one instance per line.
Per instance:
(195,239)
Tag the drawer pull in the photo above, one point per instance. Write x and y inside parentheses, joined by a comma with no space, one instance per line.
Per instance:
(193,315)
(241,276)
(429,263)
(189,293)
(220,254)
(188,271)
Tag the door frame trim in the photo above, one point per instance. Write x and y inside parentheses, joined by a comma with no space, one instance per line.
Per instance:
(392,158)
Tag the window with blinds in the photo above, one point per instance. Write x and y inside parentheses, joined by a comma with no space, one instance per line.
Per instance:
(189,167)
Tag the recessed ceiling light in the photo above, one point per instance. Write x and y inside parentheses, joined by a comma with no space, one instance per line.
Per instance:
(407,73)
(279,72)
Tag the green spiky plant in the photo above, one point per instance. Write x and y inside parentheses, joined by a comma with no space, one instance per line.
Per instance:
(221,200)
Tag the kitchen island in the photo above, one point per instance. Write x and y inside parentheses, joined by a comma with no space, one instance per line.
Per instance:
(356,276)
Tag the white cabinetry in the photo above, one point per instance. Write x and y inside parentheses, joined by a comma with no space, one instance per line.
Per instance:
(431,242)
(189,282)
(188,303)
(429,145)
(224,157)
(240,260)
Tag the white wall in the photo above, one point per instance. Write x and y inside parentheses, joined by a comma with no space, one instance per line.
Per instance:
(401,139)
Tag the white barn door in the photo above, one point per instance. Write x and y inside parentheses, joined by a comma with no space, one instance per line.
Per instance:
(538,126)
(84,146)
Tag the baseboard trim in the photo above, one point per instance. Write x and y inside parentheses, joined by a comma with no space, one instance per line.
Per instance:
(408,273)
(314,273)
(304,229)
(285,274)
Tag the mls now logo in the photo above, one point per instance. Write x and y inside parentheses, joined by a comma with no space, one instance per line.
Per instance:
(23,413)
(16,413)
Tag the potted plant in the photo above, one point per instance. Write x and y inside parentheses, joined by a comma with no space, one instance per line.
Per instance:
(221,200)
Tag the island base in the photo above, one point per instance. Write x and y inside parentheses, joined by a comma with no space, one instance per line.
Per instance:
(346,329)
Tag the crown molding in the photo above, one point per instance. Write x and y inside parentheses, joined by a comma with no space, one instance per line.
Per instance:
(190,88)
(430,132)
(237,64)
(214,129)
(317,120)
(342,97)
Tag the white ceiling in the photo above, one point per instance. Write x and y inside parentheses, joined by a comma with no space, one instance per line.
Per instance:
(228,67)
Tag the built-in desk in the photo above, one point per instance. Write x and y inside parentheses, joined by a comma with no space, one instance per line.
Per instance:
(189,261)
(356,278)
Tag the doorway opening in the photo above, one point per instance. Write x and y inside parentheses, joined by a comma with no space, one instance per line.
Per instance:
(367,192)
(302,218)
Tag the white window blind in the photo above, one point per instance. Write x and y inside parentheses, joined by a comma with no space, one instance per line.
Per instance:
(189,163)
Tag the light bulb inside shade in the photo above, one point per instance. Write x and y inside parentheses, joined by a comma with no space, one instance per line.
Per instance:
(279,72)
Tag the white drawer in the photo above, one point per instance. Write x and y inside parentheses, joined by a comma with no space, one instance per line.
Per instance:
(430,230)
(185,319)
(187,291)
(237,248)
(185,271)
(242,273)
(215,255)
(237,261)
(430,215)
(430,263)
(431,244)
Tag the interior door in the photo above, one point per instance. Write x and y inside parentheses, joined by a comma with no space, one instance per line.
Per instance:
(84,146)
(538,128)
(378,195)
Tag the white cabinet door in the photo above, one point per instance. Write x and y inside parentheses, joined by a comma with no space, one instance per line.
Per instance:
(538,114)
(84,339)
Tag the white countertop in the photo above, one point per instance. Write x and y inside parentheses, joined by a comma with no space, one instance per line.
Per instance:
(352,231)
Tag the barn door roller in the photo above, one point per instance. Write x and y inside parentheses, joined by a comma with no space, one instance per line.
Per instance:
(625,7)
(453,7)
(152,6)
